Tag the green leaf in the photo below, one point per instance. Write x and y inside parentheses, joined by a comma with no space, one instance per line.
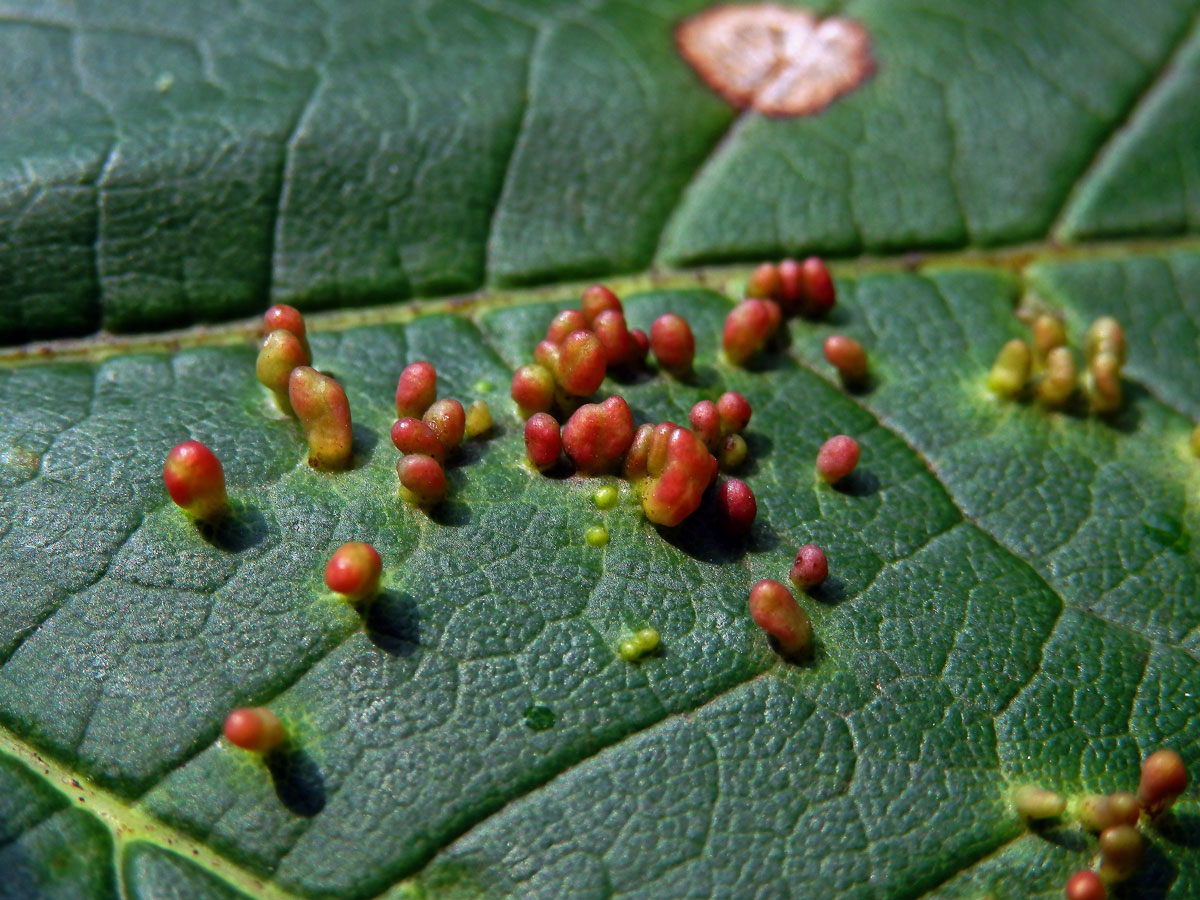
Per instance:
(1014,595)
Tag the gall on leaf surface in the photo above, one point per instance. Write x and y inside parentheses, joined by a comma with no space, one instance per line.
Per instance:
(966,642)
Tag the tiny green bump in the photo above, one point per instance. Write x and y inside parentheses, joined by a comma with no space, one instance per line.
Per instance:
(597,536)
(647,639)
(630,650)
(482,386)
(605,497)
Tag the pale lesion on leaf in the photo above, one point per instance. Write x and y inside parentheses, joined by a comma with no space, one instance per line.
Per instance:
(777,60)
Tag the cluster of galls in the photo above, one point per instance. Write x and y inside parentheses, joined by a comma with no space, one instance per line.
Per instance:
(775,292)
(284,366)
(428,430)
(1114,817)
(1046,366)
(581,345)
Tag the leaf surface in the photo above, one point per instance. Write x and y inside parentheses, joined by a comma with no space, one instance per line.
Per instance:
(1014,595)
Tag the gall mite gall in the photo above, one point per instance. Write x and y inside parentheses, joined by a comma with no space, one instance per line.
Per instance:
(706,423)
(734,412)
(564,323)
(597,299)
(288,318)
(422,479)
(597,536)
(641,347)
(847,356)
(1103,383)
(732,452)
(647,639)
(479,419)
(354,571)
(748,327)
(679,468)
(543,442)
(818,292)
(672,342)
(1010,372)
(1086,885)
(1096,812)
(775,610)
(416,390)
(321,405)
(482,386)
(791,286)
(546,354)
(764,283)
(598,435)
(254,728)
(837,458)
(1035,803)
(810,567)
(1106,336)
(641,643)
(605,497)
(414,436)
(196,482)
(1048,334)
(1058,380)
(736,507)
(1163,779)
(1121,852)
(637,460)
(533,389)
(448,420)
(610,327)
(280,353)
(581,364)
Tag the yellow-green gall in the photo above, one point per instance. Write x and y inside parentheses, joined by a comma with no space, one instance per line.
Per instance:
(1048,334)
(1010,371)
(732,452)
(605,497)
(1103,383)
(1195,440)
(479,419)
(1121,850)
(641,643)
(1058,379)
(1106,336)
(647,639)
(1035,803)
(597,536)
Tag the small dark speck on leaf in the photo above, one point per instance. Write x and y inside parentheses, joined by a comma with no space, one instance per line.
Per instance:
(539,718)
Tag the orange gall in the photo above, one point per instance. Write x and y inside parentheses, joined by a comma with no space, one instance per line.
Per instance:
(776,611)
(279,354)
(416,389)
(196,482)
(448,420)
(598,435)
(543,441)
(254,728)
(354,571)
(581,364)
(288,318)
(321,405)
(422,479)
(673,344)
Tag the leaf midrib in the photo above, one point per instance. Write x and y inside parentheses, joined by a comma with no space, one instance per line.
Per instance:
(724,279)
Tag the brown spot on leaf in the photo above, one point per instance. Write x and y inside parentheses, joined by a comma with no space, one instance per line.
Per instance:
(779,60)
